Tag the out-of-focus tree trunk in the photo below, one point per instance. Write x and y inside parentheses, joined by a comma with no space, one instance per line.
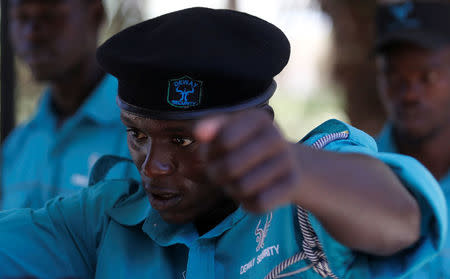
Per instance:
(354,67)
(232,4)
(124,13)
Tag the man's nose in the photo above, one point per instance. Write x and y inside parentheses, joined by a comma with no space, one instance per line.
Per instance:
(157,163)
(412,91)
(33,30)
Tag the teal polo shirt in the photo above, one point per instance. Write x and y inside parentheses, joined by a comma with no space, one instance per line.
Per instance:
(109,230)
(41,161)
(440,267)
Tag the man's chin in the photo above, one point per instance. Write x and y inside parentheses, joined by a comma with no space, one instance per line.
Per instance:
(174,218)
(414,134)
(41,74)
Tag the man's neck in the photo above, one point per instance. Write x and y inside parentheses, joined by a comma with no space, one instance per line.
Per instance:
(433,153)
(70,92)
(215,216)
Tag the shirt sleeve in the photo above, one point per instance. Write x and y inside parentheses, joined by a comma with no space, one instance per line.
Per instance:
(58,240)
(429,196)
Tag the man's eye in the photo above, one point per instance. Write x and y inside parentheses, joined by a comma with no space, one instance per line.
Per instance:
(20,17)
(136,134)
(182,141)
(430,77)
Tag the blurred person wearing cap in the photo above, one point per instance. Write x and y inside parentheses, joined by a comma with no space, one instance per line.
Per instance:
(222,193)
(77,120)
(413,58)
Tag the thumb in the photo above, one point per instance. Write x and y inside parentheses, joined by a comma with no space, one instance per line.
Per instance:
(207,129)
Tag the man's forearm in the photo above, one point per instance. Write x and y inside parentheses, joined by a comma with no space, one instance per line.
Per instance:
(359,200)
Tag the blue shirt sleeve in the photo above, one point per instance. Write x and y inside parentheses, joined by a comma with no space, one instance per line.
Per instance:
(60,239)
(431,201)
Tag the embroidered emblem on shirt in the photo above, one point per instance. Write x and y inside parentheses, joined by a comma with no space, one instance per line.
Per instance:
(262,254)
(261,233)
(82,180)
(184,92)
(93,159)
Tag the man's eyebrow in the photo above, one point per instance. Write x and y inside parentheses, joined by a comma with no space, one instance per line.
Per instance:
(126,118)
(179,129)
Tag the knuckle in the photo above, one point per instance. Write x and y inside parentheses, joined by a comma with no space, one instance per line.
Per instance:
(226,169)
(275,141)
(227,166)
(221,142)
(245,186)
(213,170)
(289,181)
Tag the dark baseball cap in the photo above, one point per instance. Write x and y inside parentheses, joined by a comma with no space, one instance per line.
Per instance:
(422,23)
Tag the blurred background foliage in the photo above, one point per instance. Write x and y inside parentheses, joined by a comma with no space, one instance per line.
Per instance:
(330,73)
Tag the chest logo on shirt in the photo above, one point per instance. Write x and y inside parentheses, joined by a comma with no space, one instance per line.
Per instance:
(184,92)
(261,233)
(82,180)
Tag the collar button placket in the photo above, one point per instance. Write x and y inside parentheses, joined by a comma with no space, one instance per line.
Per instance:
(201,260)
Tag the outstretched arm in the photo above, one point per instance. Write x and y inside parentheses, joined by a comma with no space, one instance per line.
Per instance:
(357,198)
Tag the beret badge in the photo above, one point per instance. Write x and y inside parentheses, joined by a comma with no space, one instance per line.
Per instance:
(184,92)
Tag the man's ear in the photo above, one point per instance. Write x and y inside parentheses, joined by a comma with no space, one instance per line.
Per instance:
(97,9)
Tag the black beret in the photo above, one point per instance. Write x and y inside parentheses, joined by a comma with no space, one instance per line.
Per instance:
(193,62)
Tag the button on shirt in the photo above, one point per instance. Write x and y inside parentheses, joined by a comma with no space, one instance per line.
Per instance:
(109,230)
(439,268)
(41,160)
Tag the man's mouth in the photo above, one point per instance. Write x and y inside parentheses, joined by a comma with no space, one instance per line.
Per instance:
(37,57)
(410,112)
(164,200)
(164,196)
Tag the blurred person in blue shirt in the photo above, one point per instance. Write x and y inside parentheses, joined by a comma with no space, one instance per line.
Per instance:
(222,193)
(77,120)
(413,59)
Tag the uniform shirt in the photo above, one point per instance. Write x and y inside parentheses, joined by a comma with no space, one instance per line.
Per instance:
(439,268)
(110,231)
(41,161)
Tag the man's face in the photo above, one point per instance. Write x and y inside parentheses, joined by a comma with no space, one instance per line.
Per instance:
(172,172)
(52,36)
(414,84)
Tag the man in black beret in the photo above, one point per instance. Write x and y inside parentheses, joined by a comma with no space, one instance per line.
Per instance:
(222,193)
(413,57)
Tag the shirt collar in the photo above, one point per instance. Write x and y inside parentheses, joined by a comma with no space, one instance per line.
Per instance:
(445,182)
(386,143)
(100,106)
(136,210)
(165,234)
(44,114)
(133,210)
(385,140)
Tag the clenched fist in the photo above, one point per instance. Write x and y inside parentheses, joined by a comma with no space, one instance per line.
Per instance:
(248,156)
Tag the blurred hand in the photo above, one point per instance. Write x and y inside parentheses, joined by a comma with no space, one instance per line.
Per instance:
(247,155)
